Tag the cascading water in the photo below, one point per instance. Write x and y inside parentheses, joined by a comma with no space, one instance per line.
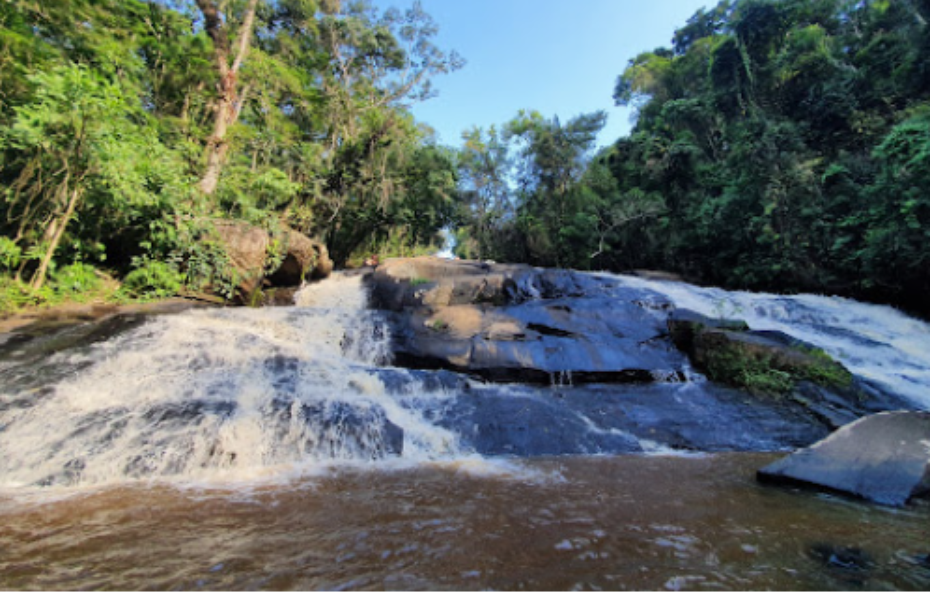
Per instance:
(220,398)
(232,393)
(236,394)
(876,342)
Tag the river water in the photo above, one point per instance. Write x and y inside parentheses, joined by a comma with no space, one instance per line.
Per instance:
(276,448)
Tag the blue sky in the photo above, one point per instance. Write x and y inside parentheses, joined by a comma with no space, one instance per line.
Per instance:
(560,57)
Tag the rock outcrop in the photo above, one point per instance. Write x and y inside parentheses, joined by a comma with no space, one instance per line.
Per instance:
(252,250)
(771,364)
(884,458)
(514,323)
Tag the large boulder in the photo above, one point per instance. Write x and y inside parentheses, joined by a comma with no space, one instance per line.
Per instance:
(514,323)
(884,458)
(261,261)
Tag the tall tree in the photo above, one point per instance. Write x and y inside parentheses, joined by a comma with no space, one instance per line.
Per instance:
(231,94)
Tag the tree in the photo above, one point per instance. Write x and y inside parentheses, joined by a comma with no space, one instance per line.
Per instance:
(552,162)
(484,163)
(77,137)
(228,59)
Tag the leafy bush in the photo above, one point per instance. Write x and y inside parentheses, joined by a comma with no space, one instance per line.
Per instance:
(76,278)
(153,279)
(13,296)
(10,253)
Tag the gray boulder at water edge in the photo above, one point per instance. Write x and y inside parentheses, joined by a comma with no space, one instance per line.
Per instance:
(884,458)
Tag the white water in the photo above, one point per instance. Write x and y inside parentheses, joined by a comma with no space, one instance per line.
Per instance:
(212,394)
(876,342)
(237,395)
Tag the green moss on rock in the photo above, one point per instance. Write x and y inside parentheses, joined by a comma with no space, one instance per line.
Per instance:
(763,365)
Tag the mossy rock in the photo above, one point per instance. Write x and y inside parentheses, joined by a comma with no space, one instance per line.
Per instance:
(763,364)
(684,325)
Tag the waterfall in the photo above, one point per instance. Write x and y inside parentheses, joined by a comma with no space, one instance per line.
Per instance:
(223,393)
(232,395)
(876,342)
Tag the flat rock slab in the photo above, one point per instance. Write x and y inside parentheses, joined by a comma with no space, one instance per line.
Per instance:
(884,458)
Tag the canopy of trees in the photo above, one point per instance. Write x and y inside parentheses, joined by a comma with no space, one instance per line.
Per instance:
(127,125)
(781,145)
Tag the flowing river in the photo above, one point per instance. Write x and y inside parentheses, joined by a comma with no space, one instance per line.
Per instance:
(277,448)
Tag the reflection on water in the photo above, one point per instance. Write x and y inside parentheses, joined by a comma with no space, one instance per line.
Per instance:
(570,523)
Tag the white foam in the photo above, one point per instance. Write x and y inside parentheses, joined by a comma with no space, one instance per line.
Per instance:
(235,394)
(876,342)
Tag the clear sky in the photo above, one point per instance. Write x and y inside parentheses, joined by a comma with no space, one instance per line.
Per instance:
(560,57)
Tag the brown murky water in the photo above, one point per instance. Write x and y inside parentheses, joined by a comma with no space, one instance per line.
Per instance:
(628,522)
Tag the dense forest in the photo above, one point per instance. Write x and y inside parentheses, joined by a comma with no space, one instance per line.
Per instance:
(779,145)
(128,126)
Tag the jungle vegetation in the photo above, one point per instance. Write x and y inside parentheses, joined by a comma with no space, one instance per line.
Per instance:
(779,145)
(126,126)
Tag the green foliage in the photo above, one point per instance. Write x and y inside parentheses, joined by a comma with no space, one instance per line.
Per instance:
(825,370)
(15,296)
(786,145)
(541,219)
(108,108)
(75,279)
(764,374)
(756,375)
(10,254)
(153,279)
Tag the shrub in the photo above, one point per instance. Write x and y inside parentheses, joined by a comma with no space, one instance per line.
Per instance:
(153,279)
(10,253)
(76,278)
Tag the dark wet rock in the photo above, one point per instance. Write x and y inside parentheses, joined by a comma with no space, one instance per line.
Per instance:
(530,422)
(601,340)
(189,412)
(684,325)
(398,284)
(617,419)
(518,324)
(419,381)
(884,458)
(340,429)
(514,323)
(837,405)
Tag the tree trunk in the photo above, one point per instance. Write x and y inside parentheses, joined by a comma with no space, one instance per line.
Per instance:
(228,105)
(216,146)
(57,227)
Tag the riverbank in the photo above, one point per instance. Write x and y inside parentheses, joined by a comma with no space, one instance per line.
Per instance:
(70,312)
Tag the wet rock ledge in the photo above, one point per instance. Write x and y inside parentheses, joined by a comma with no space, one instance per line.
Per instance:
(515,323)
